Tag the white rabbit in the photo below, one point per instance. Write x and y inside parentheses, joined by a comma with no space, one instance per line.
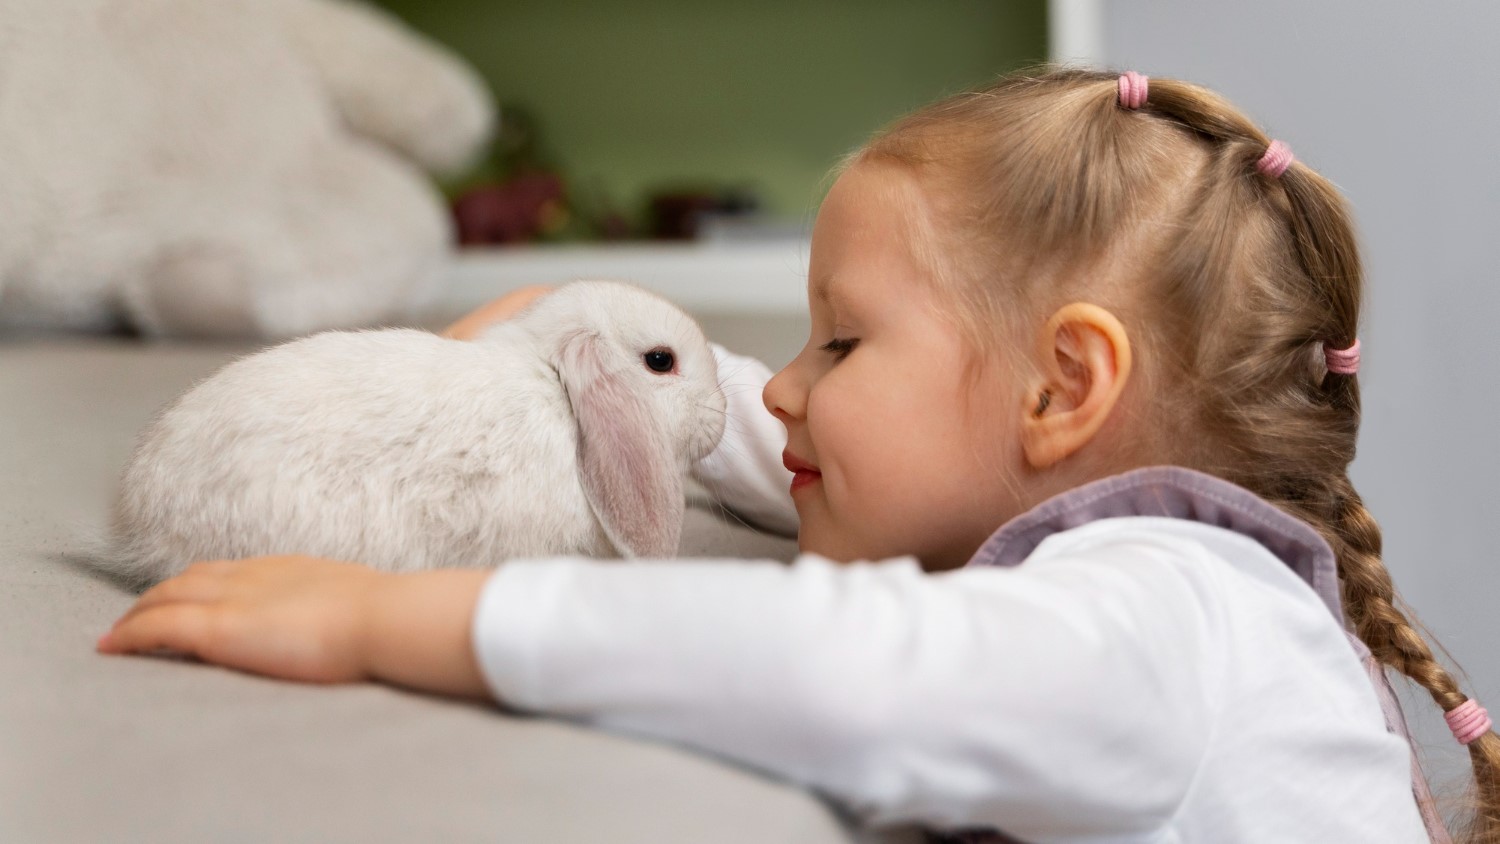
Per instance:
(564,430)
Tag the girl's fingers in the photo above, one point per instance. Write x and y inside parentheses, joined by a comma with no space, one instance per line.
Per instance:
(498,310)
(179,627)
(200,582)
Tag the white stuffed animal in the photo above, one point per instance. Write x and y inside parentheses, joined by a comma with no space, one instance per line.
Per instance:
(224,167)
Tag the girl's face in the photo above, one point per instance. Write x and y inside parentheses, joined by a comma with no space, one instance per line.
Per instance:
(873,401)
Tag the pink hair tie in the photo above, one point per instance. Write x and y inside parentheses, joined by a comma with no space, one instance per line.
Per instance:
(1468,721)
(1132,89)
(1342,362)
(1278,157)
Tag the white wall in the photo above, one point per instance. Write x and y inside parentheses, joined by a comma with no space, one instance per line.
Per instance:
(1399,105)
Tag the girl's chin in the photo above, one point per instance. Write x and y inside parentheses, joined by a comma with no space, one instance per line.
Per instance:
(811,541)
(814,537)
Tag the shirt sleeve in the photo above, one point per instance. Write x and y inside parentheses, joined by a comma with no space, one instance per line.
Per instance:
(1065,698)
(744,472)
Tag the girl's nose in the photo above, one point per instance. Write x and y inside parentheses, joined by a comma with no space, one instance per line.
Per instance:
(785,395)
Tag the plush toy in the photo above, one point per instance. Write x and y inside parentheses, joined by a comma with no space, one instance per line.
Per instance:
(246,168)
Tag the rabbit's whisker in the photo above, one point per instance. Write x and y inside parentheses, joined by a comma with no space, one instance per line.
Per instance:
(720,509)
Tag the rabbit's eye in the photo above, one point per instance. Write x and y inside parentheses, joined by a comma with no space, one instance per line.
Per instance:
(660,360)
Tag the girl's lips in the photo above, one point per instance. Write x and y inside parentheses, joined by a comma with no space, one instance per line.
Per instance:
(803,478)
(793,463)
(803,473)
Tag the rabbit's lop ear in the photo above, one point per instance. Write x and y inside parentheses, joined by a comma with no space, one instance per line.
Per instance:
(630,473)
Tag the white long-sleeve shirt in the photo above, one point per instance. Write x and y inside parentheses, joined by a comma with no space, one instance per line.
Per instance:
(1139,676)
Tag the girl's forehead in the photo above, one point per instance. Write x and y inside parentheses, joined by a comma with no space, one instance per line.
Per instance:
(870,189)
(864,224)
(868,242)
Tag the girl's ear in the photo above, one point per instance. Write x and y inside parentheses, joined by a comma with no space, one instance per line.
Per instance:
(630,472)
(1085,359)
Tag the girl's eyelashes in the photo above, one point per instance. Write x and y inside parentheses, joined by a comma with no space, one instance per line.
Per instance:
(841,348)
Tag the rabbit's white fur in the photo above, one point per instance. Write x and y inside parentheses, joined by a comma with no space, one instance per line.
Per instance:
(547,434)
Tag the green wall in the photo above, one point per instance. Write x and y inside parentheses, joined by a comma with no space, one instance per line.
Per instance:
(644,95)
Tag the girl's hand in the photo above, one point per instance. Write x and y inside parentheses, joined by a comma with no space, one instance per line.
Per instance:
(500,309)
(315,620)
(300,618)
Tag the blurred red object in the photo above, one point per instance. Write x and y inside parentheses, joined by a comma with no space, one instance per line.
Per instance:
(518,211)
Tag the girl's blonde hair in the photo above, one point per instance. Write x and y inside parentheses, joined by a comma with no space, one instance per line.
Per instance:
(1042,189)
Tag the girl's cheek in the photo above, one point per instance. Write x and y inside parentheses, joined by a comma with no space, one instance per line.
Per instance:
(830,427)
(819,408)
(830,397)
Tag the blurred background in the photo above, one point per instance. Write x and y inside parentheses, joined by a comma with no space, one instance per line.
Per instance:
(675,119)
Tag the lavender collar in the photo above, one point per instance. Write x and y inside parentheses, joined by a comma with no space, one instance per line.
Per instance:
(1177,493)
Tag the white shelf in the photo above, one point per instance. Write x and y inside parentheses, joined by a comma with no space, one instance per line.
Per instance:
(763,276)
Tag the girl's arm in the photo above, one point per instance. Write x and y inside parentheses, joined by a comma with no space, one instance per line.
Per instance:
(744,472)
(1070,695)
(1073,696)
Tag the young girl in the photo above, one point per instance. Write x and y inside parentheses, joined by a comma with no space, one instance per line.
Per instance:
(1079,401)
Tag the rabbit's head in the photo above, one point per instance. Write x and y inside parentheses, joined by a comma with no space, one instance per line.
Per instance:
(644,389)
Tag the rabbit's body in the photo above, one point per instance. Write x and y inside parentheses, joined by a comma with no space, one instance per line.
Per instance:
(398,449)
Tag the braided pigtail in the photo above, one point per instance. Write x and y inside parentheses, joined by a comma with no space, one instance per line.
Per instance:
(1374,611)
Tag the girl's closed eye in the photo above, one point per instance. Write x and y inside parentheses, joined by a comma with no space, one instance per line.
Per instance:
(841,347)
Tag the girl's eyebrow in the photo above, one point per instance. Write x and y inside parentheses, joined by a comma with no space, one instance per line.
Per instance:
(824,291)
